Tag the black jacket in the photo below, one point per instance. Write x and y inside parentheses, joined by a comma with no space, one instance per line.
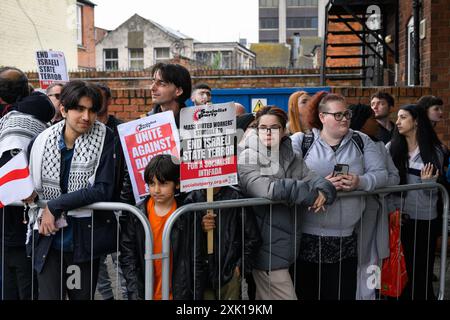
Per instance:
(102,225)
(119,164)
(157,109)
(132,247)
(229,225)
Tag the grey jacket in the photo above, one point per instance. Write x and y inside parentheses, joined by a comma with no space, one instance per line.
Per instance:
(279,175)
(341,217)
(373,230)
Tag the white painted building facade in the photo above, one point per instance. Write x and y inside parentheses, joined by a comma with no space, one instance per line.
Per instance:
(29,26)
(139,43)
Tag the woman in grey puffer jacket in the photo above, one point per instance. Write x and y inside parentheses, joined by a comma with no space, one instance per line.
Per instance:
(269,168)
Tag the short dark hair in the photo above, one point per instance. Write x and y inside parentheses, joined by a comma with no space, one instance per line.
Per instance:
(74,90)
(106,90)
(176,74)
(429,101)
(163,168)
(13,88)
(201,86)
(385,96)
(273,111)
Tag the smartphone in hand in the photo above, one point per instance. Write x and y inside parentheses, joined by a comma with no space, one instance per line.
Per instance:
(340,169)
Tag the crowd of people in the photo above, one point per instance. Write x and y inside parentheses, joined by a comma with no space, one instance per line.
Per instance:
(310,245)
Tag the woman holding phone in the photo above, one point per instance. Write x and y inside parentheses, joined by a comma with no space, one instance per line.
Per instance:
(327,264)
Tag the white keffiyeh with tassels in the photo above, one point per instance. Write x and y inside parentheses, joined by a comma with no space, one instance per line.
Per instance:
(45,165)
(17,129)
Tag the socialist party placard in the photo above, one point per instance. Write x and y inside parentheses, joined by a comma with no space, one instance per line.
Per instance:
(143,139)
(51,68)
(208,147)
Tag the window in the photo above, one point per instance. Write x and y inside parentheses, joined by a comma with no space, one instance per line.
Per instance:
(215,59)
(268,3)
(111,59)
(302,3)
(203,57)
(268,40)
(226,60)
(136,59)
(302,23)
(79,25)
(162,54)
(268,23)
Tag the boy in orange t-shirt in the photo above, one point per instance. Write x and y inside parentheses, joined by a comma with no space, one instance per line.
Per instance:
(162,176)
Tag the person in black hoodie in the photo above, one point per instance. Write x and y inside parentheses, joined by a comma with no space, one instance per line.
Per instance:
(236,241)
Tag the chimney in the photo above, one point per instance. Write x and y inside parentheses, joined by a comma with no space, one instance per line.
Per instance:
(243,42)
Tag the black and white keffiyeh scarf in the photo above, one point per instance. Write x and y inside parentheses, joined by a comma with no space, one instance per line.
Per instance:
(45,162)
(17,129)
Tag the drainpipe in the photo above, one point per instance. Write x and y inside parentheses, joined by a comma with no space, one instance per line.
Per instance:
(282,21)
(416,17)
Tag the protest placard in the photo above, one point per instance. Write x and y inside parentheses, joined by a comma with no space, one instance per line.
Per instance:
(143,139)
(208,147)
(51,68)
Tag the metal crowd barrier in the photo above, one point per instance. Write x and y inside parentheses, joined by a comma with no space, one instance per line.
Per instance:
(254,202)
(251,202)
(116,206)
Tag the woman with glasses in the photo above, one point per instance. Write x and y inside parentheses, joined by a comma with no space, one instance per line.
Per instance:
(269,168)
(418,155)
(298,112)
(327,264)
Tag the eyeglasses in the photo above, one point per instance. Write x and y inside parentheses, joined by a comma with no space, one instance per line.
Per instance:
(338,116)
(265,129)
(56,95)
(158,83)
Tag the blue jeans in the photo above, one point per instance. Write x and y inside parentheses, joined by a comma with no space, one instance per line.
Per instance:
(104,286)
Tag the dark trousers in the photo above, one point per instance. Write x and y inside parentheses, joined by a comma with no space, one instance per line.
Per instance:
(419,245)
(337,281)
(78,280)
(18,275)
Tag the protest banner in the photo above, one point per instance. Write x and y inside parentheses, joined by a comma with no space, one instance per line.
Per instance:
(51,68)
(143,139)
(208,147)
(208,151)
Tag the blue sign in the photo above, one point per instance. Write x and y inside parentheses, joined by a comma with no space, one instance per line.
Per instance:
(275,96)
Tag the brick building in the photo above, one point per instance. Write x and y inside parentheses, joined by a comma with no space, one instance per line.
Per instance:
(85,35)
(383,46)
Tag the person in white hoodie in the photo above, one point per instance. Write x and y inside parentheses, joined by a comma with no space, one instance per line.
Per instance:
(328,251)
